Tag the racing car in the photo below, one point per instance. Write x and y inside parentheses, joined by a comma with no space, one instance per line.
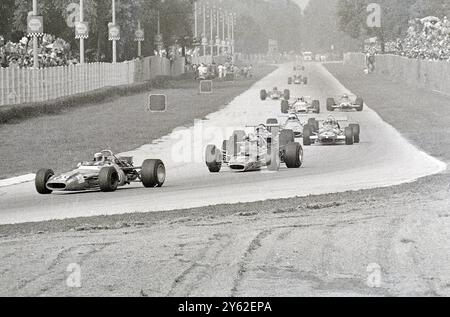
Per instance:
(301,105)
(330,131)
(298,80)
(252,151)
(293,122)
(345,102)
(105,172)
(275,94)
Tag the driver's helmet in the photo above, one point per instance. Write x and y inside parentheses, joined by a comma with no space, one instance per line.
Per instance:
(275,89)
(345,97)
(98,157)
(292,116)
(330,121)
(302,99)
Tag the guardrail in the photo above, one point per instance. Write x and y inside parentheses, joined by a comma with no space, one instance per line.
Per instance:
(430,75)
(24,85)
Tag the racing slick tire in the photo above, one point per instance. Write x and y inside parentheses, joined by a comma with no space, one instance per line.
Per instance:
(356,130)
(284,106)
(293,156)
(271,121)
(287,94)
(40,182)
(305,80)
(263,94)
(286,136)
(290,81)
(316,105)
(360,104)
(349,136)
(153,173)
(108,179)
(307,132)
(330,103)
(314,124)
(213,159)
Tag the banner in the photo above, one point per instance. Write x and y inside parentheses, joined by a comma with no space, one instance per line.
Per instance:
(35,25)
(114,32)
(139,35)
(81,30)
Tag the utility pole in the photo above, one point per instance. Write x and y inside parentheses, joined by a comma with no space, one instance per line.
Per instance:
(224,14)
(211,22)
(139,42)
(81,38)
(195,19)
(114,42)
(35,39)
(204,30)
(218,31)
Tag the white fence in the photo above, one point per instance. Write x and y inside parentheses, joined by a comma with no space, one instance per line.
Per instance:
(33,85)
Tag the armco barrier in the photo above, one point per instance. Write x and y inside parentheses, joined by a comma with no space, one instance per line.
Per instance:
(430,75)
(33,85)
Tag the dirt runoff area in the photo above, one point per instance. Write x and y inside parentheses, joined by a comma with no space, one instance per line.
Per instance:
(384,242)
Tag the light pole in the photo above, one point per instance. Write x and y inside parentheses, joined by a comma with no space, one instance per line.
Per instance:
(81,38)
(35,39)
(195,19)
(204,30)
(114,43)
(211,22)
(139,41)
(218,31)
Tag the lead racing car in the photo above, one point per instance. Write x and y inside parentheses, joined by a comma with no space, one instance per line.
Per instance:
(252,151)
(293,122)
(105,172)
(275,94)
(302,105)
(345,102)
(331,131)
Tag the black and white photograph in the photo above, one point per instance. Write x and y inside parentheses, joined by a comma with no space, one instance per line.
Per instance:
(225,154)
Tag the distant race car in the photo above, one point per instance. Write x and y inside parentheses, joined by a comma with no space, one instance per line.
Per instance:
(252,151)
(293,122)
(301,105)
(298,80)
(275,94)
(345,102)
(105,172)
(331,131)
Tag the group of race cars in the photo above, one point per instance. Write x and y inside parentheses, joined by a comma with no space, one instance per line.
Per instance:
(269,144)
(276,141)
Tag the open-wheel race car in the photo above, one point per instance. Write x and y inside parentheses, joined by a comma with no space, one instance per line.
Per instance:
(293,122)
(275,94)
(252,151)
(105,172)
(330,131)
(345,102)
(298,79)
(302,105)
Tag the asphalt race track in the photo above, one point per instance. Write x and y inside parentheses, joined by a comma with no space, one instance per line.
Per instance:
(383,158)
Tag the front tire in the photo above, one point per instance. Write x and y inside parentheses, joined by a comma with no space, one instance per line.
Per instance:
(287,94)
(360,103)
(263,94)
(349,136)
(40,182)
(330,103)
(108,179)
(293,157)
(153,173)
(316,105)
(213,159)
(284,106)
(356,131)
(307,132)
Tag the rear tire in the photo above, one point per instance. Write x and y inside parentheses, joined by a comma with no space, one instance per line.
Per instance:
(330,103)
(286,137)
(284,106)
(153,173)
(293,156)
(213,159)
(40,182)
(316,105)
(305,80)
(360,103)
(313,124)
(108,179)
(290,81)
(307,135)
(356,131)
(263,94)
(349,136)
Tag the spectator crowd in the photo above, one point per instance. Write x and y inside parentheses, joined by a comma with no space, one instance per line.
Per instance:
(51,52)
(221,71)
(427,38)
